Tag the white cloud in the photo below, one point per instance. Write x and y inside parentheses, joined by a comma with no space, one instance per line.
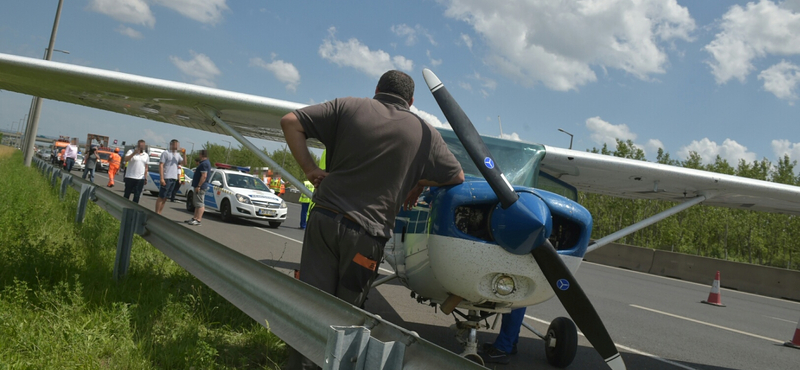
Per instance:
(204,11)
(411,33)
(130,32)
(754,31)
(484,81)
(781,80)
(128,11)
(466,40)
(434,62)
(729,150)
(606,133)
(352,53)
(530,43)
(285,72)
(200,67)
(465,86)
(430,118)
(653,145)
(512,136)
(785,147)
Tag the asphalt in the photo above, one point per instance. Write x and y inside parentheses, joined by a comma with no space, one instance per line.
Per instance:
(657,323)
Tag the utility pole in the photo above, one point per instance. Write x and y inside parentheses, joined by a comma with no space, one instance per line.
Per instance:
(570,137)
(33,127)
(501,126)
(228,154)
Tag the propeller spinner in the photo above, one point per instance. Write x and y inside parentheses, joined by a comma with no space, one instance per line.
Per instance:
(520,225)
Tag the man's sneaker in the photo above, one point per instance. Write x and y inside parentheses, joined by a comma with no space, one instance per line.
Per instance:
(487,346)
(194,223)
(492,355)
(190,220)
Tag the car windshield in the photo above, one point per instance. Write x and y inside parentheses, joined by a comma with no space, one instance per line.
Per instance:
(245,182)
(80,157)
(105,156)
(188,172)
(519,161)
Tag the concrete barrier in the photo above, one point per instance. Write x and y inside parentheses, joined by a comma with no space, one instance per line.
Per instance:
(625,256)
(768,281)
(764,280)
(291,197)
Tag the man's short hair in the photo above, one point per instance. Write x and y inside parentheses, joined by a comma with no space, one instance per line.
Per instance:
(203,153)
(173,141)
(140,141)
(398,83)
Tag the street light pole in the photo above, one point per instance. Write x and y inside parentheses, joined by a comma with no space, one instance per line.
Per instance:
(34,126)
(191,151)
(228,154)
(570,137)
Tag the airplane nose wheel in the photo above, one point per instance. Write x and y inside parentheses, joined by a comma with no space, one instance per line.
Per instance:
(467,335)
(561,342)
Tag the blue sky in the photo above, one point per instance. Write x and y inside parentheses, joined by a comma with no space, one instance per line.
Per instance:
(709,76)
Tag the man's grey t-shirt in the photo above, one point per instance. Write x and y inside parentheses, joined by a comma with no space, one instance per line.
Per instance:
(377,152)
(171,162)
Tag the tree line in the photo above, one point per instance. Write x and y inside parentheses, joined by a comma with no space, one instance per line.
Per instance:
(243,157)
(731,234)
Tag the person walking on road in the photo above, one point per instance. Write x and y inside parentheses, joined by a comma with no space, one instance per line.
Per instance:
(380,157)
(168,167)
(70,154)
(90,164)
(113,166)
(198,184)
(136,174)
(304,202)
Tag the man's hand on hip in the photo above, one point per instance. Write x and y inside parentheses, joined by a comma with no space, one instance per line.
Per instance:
(316,176)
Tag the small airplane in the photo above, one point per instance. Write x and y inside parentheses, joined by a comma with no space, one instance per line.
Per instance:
(499,241)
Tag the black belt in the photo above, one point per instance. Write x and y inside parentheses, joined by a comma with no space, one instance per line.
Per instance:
(345,219)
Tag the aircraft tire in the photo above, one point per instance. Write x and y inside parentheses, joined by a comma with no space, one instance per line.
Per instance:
(564,331)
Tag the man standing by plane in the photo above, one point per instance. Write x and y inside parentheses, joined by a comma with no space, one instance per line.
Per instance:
(380,156)
(136,174)
(169,167)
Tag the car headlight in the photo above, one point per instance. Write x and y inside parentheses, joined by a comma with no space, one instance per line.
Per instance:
(283,204)
(504,285)
(243,199)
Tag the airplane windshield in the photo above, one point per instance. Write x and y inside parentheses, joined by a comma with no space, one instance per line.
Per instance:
(245,182)
(518,160)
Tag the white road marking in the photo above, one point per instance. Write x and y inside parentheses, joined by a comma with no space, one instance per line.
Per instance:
(708,324)
(626,348)
(693,283)
(784,320)
(300,242)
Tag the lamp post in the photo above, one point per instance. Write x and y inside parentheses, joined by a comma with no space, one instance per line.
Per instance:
(228,154)
(33,127)
(191,151)
(570,137)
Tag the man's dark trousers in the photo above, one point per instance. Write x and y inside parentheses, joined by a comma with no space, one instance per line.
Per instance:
(133,186)
(339,258)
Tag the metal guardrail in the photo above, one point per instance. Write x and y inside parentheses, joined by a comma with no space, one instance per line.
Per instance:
(325,329)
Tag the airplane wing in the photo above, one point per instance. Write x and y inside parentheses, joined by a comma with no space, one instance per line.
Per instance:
(159,100)
(633,179)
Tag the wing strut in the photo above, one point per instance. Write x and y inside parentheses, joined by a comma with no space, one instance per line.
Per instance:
(213,116)
(647,222)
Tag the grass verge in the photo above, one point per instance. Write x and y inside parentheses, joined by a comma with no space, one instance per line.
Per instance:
(61,309)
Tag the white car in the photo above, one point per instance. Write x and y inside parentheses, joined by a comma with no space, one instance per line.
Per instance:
(78,166)
(240,195)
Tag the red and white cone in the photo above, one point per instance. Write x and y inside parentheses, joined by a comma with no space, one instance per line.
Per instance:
(795,343)
(714,298)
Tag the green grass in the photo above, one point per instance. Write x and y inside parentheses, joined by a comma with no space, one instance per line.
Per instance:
(61,309)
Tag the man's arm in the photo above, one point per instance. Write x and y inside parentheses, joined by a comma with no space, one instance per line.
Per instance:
(295,137)
(202,180)
(413,195)
(129,156)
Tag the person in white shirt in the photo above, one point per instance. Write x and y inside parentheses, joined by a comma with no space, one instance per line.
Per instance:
(169,169)
(71,154)
(136,174)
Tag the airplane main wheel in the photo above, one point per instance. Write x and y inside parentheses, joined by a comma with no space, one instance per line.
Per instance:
(475,358)
(561,342)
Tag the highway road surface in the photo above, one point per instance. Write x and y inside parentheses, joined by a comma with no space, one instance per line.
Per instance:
(657,322)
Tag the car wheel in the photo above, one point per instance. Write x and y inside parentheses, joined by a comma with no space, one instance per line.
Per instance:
(189,202)
(275,225)
(225,211)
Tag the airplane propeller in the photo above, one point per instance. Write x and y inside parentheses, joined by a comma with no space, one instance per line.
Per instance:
(521,225)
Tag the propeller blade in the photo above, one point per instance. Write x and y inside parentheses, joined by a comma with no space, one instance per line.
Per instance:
(471,140)
(577,304)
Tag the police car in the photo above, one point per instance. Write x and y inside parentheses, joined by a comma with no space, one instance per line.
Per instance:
(235,194)
(153,184)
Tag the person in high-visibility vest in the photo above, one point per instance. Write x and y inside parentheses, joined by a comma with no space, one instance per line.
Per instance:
(304,202)
(113,166)
(275,184)
(322,167)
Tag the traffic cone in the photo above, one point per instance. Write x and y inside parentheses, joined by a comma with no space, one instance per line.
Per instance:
(795,343)
(714,298)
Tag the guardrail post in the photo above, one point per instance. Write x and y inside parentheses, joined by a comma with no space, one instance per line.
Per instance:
(66,179)
(132,222)
(54,178)
(87,192)
(352,348)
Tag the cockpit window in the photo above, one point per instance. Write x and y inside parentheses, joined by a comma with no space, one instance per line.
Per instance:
(518,160)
